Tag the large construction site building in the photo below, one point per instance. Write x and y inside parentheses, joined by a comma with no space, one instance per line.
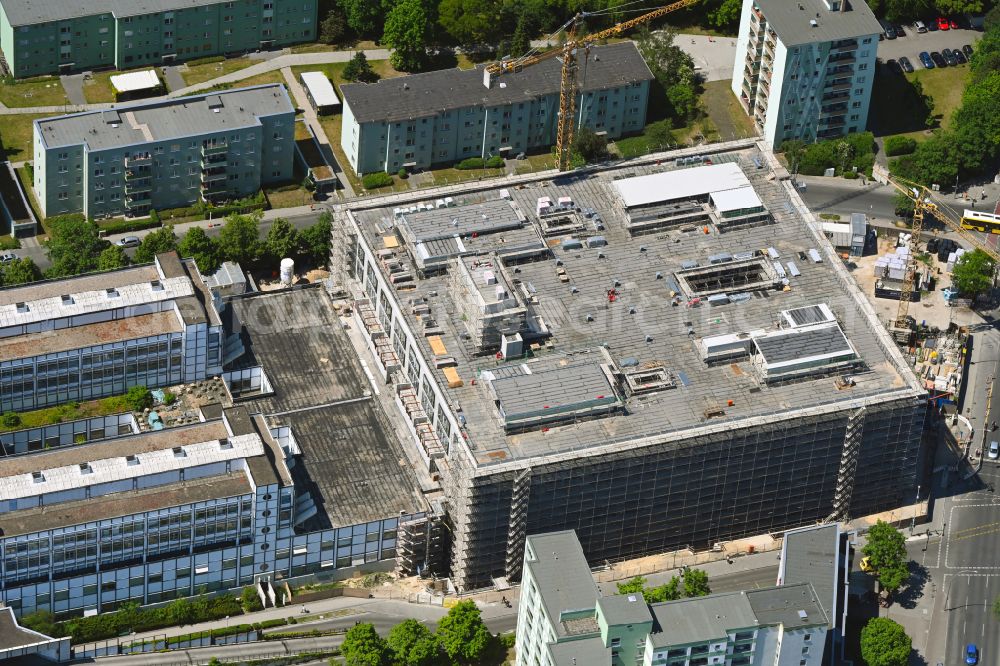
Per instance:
(654,356)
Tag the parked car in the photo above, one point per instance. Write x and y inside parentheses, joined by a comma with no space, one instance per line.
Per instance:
(905,63)
(953,24)
(129,241)
(931,25)
(894,66)
(7,257)
(899,31)
(994,451)
(960,57)
(938,59)
(971,654)
(949,57)
(942,23)
(925,60)
(967,50)
(919,25)
(890,31)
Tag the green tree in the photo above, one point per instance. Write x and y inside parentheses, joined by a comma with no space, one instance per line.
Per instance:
(315,240)
(520,43)
(282,240)
(886,551)
(973,273)
(955,7)
(73,247)
(674,72)
(406,31)
(156,242)
(726,15)
(996,608)
(139,398)
(992,19)
(333,26)
(470,22)
(250,599)
(112,257)
(885,643)
(696,583)
(633,585)
(10,419)
(363,16)
(363,646)
(359,69)
(462,633)
(589,144)
(20,271)
(43,622)
(412,644)
(669,591)
(239,239)
(199,246)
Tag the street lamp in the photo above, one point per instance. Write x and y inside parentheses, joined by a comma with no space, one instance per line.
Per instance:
(913,518)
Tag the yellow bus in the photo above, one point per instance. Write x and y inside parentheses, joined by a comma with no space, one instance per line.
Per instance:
(981,221)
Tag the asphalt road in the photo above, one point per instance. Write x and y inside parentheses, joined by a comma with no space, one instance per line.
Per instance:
(37,253)
(836,195)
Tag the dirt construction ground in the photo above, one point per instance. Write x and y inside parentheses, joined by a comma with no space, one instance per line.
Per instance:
(931,307)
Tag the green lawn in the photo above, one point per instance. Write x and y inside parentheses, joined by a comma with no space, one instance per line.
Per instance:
(726,112)
(299,196)
(335,70)
(98,88)
(896,107)
(450,176)
(200,73)
(41,91)
(16,135)
(255,80)
(331,126)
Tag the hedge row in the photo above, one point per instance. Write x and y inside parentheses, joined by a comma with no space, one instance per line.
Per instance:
(372,181)
(123,226)
(132,618)
(494,162)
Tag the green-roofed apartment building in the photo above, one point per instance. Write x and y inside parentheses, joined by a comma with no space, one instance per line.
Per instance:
(164,154)
(59,36)
(563,620)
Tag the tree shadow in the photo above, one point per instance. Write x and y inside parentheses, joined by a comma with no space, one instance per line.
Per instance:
(897,105)
(914,589)
(440,59)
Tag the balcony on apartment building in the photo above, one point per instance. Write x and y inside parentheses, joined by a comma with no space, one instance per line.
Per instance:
(214,149)
(832,110)
(833,122)
(839,71)
(138,160)
(837,85)
(844,45)
(845,57)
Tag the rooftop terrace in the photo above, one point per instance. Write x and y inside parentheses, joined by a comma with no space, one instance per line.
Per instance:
(620,305)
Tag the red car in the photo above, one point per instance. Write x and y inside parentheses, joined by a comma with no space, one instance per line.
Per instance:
(943,23)
(954,26)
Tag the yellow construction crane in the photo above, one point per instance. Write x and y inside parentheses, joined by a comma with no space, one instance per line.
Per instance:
(569,87)
(924,203)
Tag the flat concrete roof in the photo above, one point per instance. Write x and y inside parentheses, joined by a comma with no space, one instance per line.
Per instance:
(793,606)
(352,462)
(736,199)
(700,619)
(66,514)
(116,330)
(134,81)
(13,635)
(791,20)
(680,183)
(571,285)
(143,123)
(561,572)
(809,555)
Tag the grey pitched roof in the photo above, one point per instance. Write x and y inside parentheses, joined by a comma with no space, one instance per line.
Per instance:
(420,95)
(700,619)
(809,555)
(790,19)
(561,572)
(789,605)
(147,122)
(27,12)
(625,609)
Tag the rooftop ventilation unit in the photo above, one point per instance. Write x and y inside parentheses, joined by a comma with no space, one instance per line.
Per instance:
(111,293)
(225,444)
(179,452)
(67,299)
(85,468)
(131,460)
(37,477)
(22,307)
(156,285)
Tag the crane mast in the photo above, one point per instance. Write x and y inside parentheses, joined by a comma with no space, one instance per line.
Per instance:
(569,89)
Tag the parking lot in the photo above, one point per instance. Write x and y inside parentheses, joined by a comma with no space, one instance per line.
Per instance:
(913,43)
